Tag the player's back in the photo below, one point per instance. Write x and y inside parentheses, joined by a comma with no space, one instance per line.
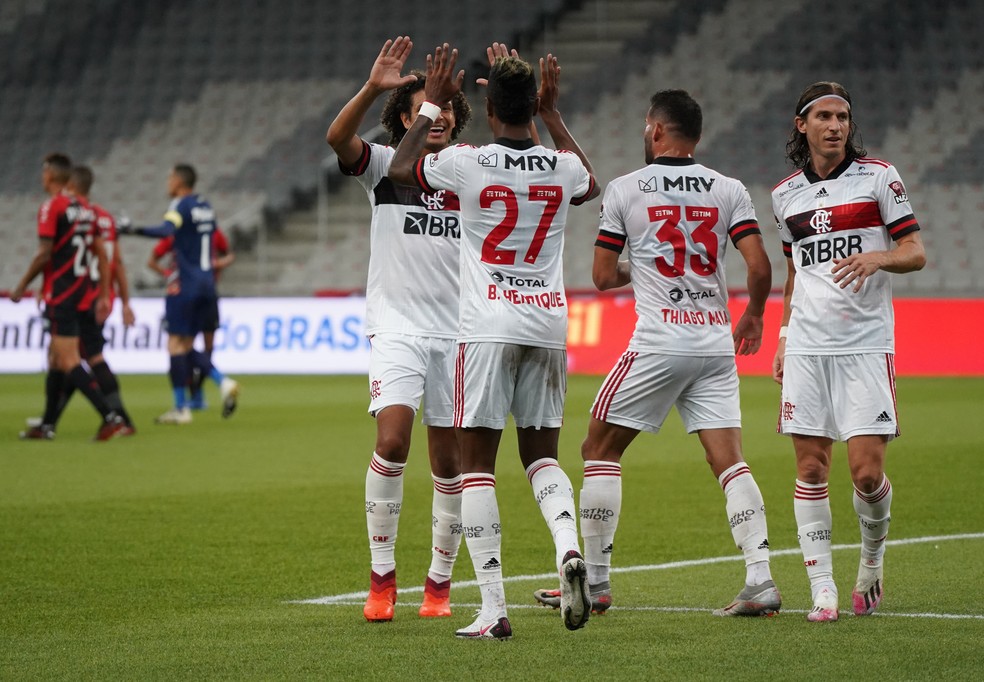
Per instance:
(514,199)
(676,216)
(69,222)
(194,222)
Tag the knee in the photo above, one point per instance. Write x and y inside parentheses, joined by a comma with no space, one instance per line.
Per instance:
(393,447)
(867,477)
(812,469)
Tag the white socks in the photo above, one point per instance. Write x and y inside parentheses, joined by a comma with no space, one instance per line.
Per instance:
(812,508)
(601,502)
(746,516)
(874,517)
(446,534)
(480,525)
(384,497)
(555,495)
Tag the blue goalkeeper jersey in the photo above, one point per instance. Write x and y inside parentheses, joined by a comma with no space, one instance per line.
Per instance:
(193,221)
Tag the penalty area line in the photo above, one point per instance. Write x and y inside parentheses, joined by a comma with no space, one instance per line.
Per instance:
(353,598)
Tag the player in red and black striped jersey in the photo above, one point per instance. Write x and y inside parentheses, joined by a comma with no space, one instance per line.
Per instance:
(66,225)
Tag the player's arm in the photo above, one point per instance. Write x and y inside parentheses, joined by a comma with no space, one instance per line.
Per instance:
(102,300)
(343,133)
(748,330)
(41,258)
(223,261)
(122,284)
(607,271)
(550,115)
(908,255)
(787,296)
(224,255)
(440,87)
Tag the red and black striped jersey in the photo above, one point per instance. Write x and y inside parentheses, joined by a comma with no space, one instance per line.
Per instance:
(69,223)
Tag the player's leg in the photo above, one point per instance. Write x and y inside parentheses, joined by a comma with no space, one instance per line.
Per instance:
(397,367)
(807,414)
(178,348)
(811,505)
(482,530)
(538,410)
(55,398)
(92,342)
(384,502)
(482,395)
(709,405)
(873,505)
(865,385)
(206,319)
(442,447)
(745,510)
(445,464)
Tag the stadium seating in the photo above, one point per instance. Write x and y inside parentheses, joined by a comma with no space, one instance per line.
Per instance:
(245,92)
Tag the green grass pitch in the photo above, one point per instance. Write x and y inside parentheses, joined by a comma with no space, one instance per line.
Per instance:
(181,553)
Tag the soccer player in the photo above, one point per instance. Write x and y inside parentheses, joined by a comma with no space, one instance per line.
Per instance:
(190,300)
(838,215)
(66,226)
(91,339)
(512,333)
(411,321)
(675,217)
(222,257)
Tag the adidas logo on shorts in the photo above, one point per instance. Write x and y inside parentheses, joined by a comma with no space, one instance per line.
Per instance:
(883,418)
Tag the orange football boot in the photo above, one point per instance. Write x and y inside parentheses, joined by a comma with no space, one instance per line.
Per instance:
(382,597)
(437,602)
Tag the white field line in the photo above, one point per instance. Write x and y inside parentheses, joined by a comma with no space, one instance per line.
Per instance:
(358,598)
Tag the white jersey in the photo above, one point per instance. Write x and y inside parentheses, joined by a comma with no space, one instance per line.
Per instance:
(514,197)
(676,215)
(860,207)
(414,243)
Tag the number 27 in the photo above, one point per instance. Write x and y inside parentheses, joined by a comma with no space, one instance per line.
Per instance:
(553,195)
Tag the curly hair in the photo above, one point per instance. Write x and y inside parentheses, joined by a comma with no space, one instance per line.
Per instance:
(512,90)
(400,102)
(797,148)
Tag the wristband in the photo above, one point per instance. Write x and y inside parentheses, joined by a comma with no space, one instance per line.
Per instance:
(783,331)
(429,110)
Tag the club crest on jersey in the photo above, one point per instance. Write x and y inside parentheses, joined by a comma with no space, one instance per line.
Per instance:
(488,160)
(440,200)
(820,221)
(900,196)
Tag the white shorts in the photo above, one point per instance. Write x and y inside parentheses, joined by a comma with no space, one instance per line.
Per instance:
(839,396)
(403,369)
(642,387)
(494,380)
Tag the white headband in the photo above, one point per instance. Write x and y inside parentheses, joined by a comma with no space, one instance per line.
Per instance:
(814,101)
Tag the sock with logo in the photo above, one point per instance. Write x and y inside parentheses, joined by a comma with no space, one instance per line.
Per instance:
(85,382)
(601,502)
(874,516)
(746,515)
(384,497)
(446,533)
(555,495)
(480,524)
(811,506)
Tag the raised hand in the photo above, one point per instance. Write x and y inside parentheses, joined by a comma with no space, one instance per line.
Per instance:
(549,84)
(386,70)
(493,52)
(441,86)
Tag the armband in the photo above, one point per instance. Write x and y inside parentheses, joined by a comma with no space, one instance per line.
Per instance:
(429,110)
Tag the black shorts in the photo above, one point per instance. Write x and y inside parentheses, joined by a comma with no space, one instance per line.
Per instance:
(62,320)
(91,339)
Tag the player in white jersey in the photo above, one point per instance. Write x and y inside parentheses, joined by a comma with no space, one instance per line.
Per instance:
(511,354)
(676,216)
(411,320)
(838,215)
